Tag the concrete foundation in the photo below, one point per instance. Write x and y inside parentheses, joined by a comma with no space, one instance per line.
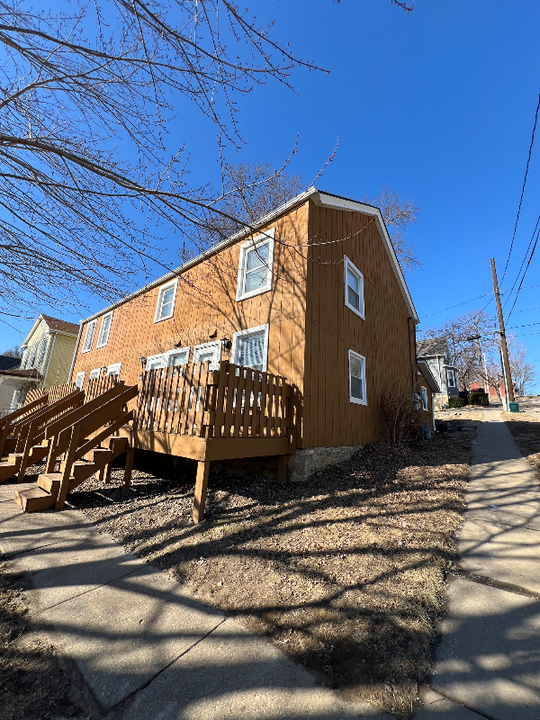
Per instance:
(307,461)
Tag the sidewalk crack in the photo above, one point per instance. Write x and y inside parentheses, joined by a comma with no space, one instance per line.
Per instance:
(497,584)
(453,699)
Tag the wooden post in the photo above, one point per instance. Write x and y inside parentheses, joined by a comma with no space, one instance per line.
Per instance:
(506,360)
(26,451)
(130,455)
(282,468)
(70,457)
(107,478)
(201,487)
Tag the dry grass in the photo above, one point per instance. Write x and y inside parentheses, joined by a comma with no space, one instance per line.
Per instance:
(525,428)
(32,684)
(345,573)
(466,413)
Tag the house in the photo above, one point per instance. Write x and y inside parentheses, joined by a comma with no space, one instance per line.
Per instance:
(8,381)
(435,354)
(313,293)
(47,357)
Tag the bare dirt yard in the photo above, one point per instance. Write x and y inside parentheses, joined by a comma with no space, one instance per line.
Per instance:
(345,573)
(525,428)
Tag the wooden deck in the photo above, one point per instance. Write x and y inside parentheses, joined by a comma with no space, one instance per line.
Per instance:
(205,415)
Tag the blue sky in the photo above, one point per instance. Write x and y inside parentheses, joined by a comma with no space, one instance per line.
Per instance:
(438,105)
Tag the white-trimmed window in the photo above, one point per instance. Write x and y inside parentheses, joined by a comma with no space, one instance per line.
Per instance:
(95,373)
(89,336)
(424,397)
(178,357)
(354,288)
(165,303)
(79,380)
(208,352)
(450,379)
(155,361)
(250,347)
(104,330)
(114,369)
(41,354)
(255,266)
(357,378)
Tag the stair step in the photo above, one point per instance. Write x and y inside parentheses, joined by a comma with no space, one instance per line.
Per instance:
(7,470)
(15,458)
(34,499)
(50,482)
(118,445)
(101,456)
(11,444)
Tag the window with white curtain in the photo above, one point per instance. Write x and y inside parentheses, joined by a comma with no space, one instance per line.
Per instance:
(250,348)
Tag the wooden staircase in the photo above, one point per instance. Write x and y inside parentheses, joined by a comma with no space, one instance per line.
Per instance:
(78,436)
(47,490)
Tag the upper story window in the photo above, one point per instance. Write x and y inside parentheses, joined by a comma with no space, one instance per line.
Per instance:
(250,348)
(357,378)
(41,353)
(104,330)
(450,379)
(255,266)
(89,336)
(165,303)
(354,288)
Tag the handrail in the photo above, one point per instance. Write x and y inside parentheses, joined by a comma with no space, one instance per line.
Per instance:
(83,411)
(27,410)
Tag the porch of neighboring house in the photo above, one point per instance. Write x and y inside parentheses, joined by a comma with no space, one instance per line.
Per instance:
(187,411)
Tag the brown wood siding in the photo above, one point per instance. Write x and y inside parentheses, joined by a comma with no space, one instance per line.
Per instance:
(384,338)
(206,304)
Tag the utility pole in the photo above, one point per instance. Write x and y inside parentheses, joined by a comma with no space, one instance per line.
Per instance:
(504,347)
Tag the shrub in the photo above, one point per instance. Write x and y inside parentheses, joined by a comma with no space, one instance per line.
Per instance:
(456,402)
(478,398)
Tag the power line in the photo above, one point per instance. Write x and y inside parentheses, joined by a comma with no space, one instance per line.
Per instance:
(524,273)
(465,302)
(527,310)
(523,188)
(523,261)
(515,327)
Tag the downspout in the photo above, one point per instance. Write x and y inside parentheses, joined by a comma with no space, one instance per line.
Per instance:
(76,351)
(410,353)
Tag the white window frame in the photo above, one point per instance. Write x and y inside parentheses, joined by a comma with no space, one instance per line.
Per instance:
(251,331)
(450,379)
(95,373)
(177,351)
(424,397)
(199,349)
(158,359)
(253,244)
(92,325)
(114,369)
(162,290)
(348,265)
(79,380)
(355,400)
(102,342)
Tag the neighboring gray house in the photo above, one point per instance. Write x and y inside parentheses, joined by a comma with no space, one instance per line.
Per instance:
(436,354)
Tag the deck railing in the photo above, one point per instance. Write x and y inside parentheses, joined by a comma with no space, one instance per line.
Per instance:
(234,401)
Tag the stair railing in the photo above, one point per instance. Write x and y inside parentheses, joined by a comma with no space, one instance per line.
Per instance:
(27,411)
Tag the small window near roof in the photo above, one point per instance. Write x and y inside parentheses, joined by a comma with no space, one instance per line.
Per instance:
(354,288)
(104,330)
(255,266)
(165,303)
(89,336)
(79,380)
(357,378)
(250,348)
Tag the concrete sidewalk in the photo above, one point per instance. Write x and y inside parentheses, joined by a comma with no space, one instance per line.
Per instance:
(488,660)
(144,648)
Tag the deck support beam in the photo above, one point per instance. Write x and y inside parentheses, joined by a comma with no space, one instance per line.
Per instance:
(201,488)
(128,468)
